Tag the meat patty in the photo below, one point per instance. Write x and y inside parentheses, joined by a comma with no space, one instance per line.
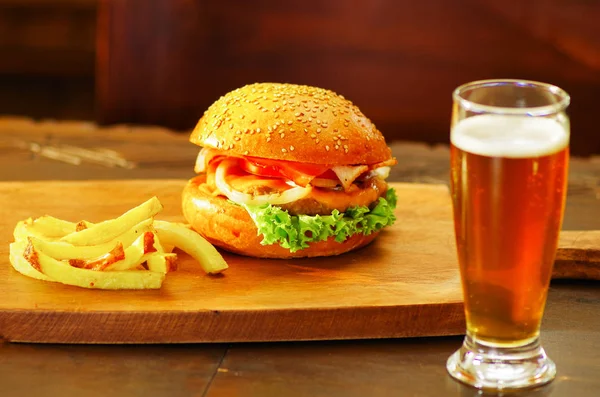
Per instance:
(323,201)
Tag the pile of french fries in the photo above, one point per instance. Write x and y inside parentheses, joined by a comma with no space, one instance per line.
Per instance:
(133,251)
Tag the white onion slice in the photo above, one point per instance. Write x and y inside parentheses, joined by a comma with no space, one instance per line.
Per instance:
(200,165)
(236,196)
(381,172)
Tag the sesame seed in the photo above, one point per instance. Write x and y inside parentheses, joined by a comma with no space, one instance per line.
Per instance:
(318,121)
(230,126)
(346,147)
(297,114)
(291,148)
(290,122)
(237,138)
(269,139)
(346,150)
(283,150)
(305,130)
(317,140)
(292,130)
(238,132)
(253,121)
(318,130)
(258,130)
(337,147)
(345,124)
(231,146)
(327,147)
(246,152)
(282,135)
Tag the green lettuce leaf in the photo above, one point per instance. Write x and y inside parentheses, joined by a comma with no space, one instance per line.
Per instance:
(294,232)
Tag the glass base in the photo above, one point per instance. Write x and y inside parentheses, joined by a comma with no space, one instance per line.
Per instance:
(493,367)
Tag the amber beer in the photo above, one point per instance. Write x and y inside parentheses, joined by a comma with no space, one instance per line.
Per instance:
(508,180)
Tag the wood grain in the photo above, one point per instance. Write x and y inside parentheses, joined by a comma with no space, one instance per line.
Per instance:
(578,256)
(404,284)
(98,371)
(415,366)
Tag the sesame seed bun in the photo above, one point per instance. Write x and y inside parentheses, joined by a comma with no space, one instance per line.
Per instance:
(291,122)
(230,227)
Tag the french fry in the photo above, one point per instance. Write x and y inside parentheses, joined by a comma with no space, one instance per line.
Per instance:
(193,244)
(134,254)
(108,230)
(64,273)
(168,248)
(102,262)
(53,227)
(23,229)
(20,264)
(62,250)
(132,251)
(162,262)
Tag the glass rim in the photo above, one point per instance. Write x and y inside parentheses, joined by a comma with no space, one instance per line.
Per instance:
(563,98)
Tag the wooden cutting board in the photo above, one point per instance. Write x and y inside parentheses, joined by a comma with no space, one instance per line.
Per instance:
(404,284)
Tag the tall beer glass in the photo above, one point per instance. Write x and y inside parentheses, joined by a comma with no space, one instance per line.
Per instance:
(509,158)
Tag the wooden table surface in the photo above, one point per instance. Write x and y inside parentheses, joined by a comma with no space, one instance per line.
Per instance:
(403,367)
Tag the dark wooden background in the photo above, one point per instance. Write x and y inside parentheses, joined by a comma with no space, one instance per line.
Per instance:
(164,61)
(47,58)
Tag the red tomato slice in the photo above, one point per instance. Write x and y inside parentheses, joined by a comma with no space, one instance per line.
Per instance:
(300,173)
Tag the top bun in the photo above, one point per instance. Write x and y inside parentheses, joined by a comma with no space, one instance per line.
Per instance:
(291,122)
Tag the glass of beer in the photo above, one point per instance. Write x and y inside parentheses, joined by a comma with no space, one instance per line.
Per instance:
(509,158)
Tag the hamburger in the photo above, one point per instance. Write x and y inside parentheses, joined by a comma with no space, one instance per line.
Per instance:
(288,171)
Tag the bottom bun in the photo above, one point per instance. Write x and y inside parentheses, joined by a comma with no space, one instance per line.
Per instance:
(230,227)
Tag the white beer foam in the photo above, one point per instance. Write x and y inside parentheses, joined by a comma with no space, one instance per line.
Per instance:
(509,136)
